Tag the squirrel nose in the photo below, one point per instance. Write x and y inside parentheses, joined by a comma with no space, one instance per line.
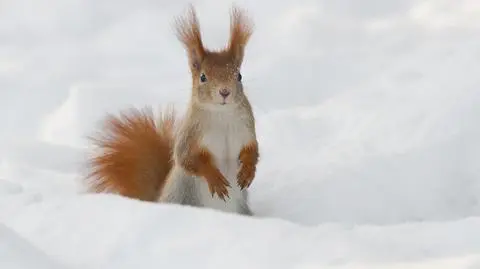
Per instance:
(224,93)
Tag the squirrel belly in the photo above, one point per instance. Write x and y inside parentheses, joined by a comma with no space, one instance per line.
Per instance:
(225,138)
(224,134)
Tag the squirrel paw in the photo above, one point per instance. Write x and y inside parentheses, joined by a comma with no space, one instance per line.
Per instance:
(218,185)
(245,176)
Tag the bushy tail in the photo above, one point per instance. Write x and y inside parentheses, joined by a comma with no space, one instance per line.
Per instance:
(133,154)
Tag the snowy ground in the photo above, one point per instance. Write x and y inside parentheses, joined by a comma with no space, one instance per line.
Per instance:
(367,118)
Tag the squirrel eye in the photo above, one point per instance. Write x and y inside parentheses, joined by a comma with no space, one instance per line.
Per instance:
(203,78)
(239,77)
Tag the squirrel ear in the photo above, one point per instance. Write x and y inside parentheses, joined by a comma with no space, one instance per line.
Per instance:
(188,32)
(241,28)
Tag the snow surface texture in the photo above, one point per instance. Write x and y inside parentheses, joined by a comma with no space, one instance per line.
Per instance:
(367,115)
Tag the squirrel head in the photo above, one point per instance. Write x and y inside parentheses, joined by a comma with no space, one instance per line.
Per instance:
(216,75)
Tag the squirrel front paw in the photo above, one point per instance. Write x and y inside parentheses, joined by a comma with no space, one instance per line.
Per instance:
(245,175)
(218,184)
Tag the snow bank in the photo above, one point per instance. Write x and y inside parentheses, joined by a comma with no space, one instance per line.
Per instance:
(18,253)
(372,156)
(90,232)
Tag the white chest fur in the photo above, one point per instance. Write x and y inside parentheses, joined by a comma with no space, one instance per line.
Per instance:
(224,134)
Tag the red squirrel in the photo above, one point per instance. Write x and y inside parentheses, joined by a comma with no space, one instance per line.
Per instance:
(206,159)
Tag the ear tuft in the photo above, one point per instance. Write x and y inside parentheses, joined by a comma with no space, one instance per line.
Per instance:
(188,32)
(241,28)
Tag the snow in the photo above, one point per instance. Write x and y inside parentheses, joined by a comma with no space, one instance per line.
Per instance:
(17,253)
(153,236)
(367,117)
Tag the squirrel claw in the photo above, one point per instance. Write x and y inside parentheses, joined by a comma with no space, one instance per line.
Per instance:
(245,176)
(219,186)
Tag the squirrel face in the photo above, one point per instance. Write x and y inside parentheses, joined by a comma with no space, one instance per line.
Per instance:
(218,81)
(216,76)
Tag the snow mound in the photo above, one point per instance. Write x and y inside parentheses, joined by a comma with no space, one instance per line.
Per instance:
(90,232)
(18,253)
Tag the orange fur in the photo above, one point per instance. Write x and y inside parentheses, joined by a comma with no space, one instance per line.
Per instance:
(249,158)
(200,163)
(134,155)
(189,34)
(241,29)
